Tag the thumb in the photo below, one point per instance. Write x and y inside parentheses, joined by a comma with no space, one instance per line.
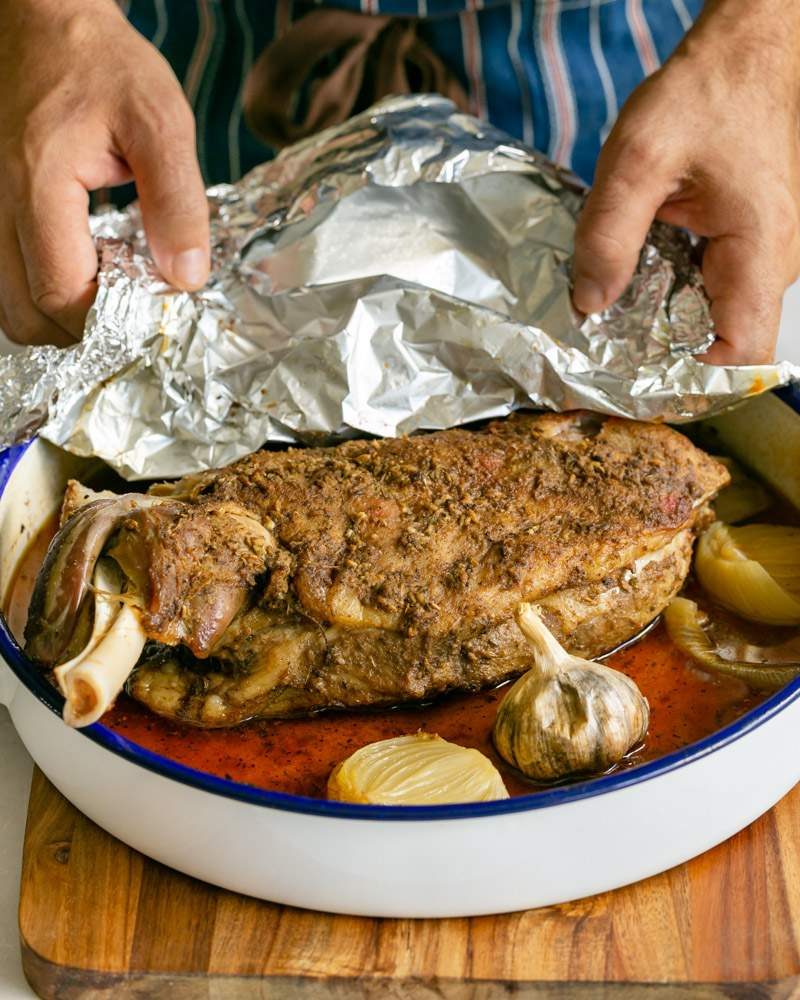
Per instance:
(613,225)
(163,160)
(746,295)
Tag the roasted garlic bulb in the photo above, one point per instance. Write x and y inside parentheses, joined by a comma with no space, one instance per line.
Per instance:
(418,770)
(764,666)
(566,716)
(753,570)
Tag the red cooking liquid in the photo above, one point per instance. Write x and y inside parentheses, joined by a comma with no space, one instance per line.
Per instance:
(297,755)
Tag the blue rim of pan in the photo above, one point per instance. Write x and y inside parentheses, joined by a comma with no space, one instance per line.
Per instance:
(561,795)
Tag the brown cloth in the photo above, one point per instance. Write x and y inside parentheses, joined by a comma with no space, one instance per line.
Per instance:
(374,51)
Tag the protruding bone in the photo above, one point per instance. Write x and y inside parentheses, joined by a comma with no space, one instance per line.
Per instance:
(92,685)
(91,681)
(63,580)
(106,586)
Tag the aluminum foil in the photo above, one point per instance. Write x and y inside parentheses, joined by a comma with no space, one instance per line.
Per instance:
(408,269)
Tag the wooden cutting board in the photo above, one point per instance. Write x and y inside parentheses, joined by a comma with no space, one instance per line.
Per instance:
(99,920)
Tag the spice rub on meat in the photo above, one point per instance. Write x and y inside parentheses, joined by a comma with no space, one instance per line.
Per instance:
(388,571)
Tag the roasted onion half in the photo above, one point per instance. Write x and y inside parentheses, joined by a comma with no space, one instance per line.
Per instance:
(760,667)
(753,570)
(742,498)
(420,769)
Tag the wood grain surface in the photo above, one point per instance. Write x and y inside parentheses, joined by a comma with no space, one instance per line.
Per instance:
(99,920)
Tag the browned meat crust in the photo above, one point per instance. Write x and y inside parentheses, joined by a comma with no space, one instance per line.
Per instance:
(391,568)
(268,670)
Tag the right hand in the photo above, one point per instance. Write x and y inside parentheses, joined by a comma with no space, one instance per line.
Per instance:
(85,103)
(709,143)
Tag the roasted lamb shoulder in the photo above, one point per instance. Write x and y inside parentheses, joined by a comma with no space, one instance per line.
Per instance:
(387,571)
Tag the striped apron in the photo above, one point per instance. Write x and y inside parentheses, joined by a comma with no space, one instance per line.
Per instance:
(551,72)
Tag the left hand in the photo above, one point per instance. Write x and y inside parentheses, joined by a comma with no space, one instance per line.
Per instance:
(710,142)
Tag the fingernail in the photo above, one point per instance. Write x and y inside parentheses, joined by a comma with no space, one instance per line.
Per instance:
(588,296)
(190,267)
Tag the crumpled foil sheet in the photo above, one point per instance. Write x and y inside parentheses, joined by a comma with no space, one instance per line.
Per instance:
(408,269)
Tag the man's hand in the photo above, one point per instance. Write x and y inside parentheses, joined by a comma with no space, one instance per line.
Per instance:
(711,142)
(86,102)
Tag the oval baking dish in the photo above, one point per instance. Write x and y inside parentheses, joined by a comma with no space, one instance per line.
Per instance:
(402,861)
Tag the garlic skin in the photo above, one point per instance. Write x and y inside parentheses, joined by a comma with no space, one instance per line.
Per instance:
(418,770)
(753,571)
(566,716)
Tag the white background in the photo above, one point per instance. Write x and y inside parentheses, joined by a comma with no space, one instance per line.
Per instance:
(15,765)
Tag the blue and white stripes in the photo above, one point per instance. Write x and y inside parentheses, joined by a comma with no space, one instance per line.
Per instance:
(558,86)
(603,72)
(553,72)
